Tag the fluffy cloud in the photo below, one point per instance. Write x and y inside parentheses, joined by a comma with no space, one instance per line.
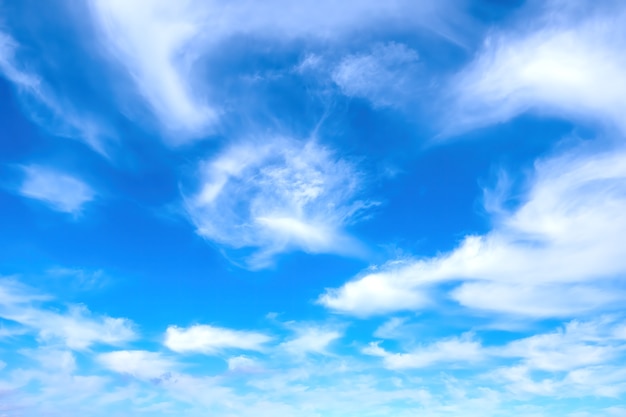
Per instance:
(277,196)
(62,192)
(556,254)
(569,62)
(211,340)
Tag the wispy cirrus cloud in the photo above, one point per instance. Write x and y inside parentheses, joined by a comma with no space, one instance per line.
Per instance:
(60,191)
(153,40)
(387,76)
(45,106)
(556,254)
(277,196)
(454,350)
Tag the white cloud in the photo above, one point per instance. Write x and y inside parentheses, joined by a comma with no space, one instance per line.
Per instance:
(60,191)
(42,105)
(570,61)
(242,363)
(386,76)
(153,39)
(211,340)
(278,196)
(454,350)
(575,346)
(160,43)
(557,254)
(77,329)
(62,361)
(138,363)
(311,339)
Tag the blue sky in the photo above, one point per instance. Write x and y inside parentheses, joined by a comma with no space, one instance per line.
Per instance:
(312,208)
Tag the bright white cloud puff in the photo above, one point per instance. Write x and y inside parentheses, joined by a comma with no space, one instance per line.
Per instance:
(569,62)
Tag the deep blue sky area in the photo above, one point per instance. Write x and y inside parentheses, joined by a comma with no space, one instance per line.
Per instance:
(314,208)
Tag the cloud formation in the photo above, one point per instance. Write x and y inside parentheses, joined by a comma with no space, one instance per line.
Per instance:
(77,329)
(163,46)
(277,196)
(568,62)
(61,192)
(153,40)
(42,105)
(386,76)
(555,255)
(211,340)
(138,363)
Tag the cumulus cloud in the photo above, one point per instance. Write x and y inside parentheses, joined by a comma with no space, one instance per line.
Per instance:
(211,340)
(386,76)
(77,329)
(558,253)
(61,192)
(275,197)
(42,105)
(569,61)
(138,363)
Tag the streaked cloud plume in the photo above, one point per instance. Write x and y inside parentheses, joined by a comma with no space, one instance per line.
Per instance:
(153,40)
(568,62)
(162,45)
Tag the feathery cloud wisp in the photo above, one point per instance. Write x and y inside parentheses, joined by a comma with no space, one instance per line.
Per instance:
(277,196)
